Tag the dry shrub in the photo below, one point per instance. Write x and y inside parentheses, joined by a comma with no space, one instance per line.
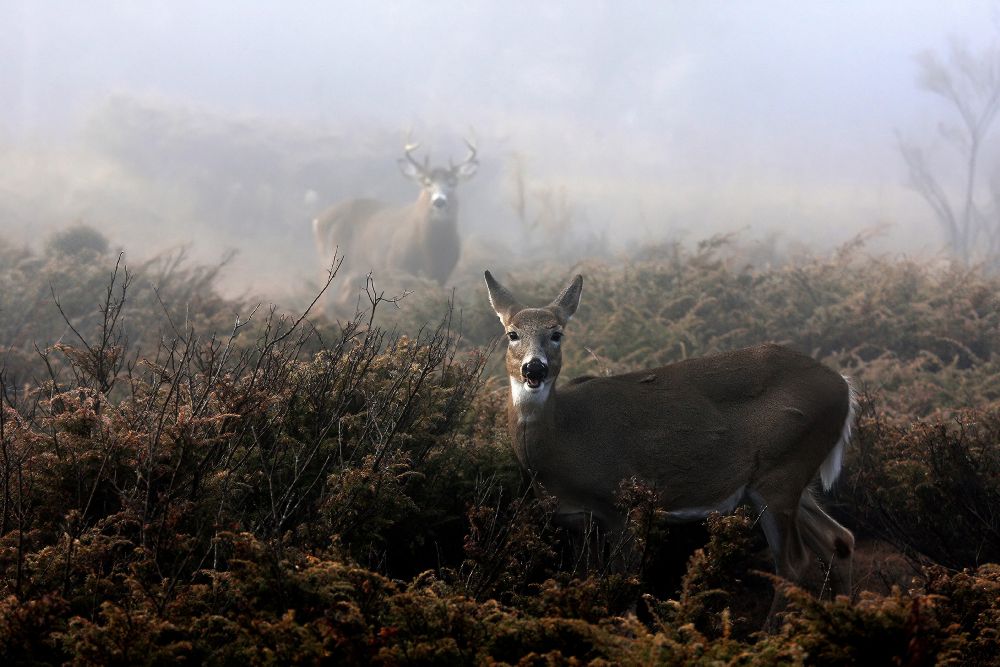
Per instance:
(508,543)
(952,620)
(932,487)
(176,487)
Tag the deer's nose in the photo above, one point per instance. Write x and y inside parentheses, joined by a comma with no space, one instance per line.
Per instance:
(439,201)
(535,371)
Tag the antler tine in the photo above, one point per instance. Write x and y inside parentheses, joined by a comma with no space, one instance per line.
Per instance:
(470,159)
(472,149)
(408,149)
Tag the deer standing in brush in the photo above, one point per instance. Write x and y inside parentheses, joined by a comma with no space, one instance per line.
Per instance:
(706,434)
(419,240)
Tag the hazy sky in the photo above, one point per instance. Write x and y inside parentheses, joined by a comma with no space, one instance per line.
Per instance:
(825,66)
(661,114)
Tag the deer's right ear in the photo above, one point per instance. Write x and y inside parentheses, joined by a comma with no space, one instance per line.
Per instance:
(568,300)
(409,169)
(503,302)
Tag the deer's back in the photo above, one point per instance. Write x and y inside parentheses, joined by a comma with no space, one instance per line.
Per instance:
(729,414)
(343,222)
(389,240)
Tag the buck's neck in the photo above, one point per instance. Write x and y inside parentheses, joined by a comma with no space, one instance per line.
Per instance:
(433,218)
(530,419)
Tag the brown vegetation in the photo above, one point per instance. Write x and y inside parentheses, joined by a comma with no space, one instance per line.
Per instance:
(180,484)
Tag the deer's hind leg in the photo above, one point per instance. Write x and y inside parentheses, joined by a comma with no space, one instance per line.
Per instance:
(829,540)
(780,521)
(778,515)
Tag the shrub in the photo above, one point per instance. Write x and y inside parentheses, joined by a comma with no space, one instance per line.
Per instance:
(175,486)
(931,487)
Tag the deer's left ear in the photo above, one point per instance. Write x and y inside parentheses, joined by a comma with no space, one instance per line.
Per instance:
(503,302)
(466,170)
(566,303)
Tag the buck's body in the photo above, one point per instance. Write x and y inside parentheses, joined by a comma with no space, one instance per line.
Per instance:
(419,240)
(756,424)
(413,240)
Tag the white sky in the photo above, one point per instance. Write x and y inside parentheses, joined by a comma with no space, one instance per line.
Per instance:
(687,114)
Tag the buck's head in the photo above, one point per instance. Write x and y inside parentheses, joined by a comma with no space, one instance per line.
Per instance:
(438,183)
(534,338)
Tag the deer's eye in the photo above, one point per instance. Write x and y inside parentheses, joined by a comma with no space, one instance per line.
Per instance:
(513,335)
(556,336)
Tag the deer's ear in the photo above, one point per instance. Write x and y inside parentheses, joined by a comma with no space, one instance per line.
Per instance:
(503,302)
(466,170)
(566,303)
(409,169)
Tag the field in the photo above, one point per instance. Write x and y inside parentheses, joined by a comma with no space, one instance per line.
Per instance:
(189,477)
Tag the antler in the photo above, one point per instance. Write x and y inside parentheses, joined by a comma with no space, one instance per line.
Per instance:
(471,159)
(408,149)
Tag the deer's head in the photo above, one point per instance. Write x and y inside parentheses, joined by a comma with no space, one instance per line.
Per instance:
(438,183)
(534,338)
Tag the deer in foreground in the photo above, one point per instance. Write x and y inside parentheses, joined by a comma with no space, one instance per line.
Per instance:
(419,240)
(707,434)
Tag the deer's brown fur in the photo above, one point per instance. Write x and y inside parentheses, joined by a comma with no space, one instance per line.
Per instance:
(755,424)
(419,240)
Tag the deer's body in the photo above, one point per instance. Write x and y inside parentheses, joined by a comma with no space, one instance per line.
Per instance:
(413,240)
(418,240)
(755,424)
(670,425)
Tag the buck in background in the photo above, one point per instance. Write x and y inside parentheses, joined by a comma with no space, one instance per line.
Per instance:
(418,240)
(706,434)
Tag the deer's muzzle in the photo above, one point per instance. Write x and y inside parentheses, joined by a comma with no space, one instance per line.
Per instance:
(534,372)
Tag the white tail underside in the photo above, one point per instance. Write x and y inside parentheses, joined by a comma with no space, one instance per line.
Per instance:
(830,470)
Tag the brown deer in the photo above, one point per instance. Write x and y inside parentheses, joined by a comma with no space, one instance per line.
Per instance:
(418,240)
(708,433)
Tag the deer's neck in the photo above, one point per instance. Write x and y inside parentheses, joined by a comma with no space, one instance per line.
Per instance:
(433,227)
(531,420)
(433,218)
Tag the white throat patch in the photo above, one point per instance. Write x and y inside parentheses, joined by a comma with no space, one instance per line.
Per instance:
(527,400)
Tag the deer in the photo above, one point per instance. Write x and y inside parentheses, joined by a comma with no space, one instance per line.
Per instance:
(418,240)
(707,434)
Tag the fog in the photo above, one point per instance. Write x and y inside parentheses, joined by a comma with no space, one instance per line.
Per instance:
(599,124)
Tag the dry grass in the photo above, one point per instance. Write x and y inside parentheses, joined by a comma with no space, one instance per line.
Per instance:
(174,486)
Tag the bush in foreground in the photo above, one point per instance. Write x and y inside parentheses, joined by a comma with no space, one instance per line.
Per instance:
(270,492)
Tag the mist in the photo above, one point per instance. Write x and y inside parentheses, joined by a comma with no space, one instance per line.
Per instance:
(599,125)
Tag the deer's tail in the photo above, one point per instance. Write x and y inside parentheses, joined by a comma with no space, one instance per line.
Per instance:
(830,470)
